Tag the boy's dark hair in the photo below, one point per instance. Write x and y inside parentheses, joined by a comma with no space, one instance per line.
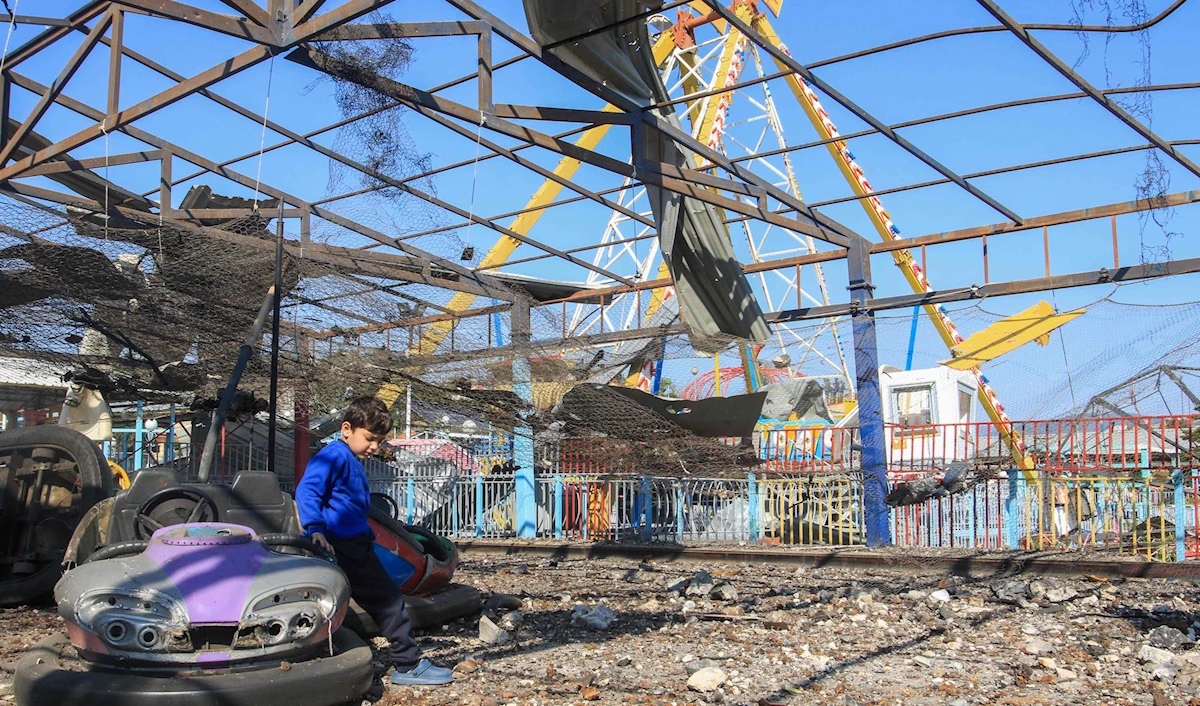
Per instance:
(369,412)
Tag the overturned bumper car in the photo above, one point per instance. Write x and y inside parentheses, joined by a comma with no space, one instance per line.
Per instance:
(49,478)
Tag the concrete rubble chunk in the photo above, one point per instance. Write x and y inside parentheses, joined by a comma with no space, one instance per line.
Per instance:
(1037,647)
(1165,672)
(599,618)
(724,592)
(1012,591)
(491,633)
(1168,638)
(512,621)
(1156,655)
(701,585)
(696,665)
(1061,594)
(707,679)
(678,586)
(940,596)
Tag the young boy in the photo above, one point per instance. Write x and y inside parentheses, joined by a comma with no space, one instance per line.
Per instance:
(333,499)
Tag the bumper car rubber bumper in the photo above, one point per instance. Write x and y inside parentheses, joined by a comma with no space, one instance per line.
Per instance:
(52,673)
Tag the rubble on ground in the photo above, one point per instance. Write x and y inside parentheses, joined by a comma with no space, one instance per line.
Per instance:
(624,631)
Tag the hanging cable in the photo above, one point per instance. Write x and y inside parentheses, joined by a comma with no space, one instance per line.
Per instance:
(468,252)
(1066,362)
(12,22)
(104,131)
(262,145)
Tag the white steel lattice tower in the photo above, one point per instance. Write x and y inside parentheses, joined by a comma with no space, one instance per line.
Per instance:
(741,124)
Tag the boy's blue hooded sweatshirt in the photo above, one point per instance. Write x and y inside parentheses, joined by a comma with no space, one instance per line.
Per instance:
(333,497)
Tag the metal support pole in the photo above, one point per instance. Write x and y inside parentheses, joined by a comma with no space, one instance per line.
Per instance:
(645,500)
(558,507)
(526,495)
(410,499)
(300,430)
(478,506)
(753,508)
(169,454)
(273,424)
(408,411)
(139,439)
(218,420)
(870,401)
(1180,515)
(1012,511)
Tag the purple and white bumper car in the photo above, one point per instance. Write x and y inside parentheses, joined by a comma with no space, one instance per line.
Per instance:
(200,613)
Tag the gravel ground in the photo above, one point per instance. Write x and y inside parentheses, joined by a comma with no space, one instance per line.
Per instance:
(761,634)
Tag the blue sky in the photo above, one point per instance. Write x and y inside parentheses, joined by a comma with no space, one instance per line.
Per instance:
(922,80)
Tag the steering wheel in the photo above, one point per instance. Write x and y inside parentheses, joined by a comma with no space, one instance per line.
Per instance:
(173,506)
(296,541)
(386,503)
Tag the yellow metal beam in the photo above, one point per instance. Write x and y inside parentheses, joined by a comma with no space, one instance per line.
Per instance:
(717,105)
(904,259)
(1034,324)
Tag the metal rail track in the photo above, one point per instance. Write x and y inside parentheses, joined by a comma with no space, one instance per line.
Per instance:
(975,566)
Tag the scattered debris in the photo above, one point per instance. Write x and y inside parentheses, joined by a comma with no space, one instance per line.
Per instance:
(701,585)
(707,679)
(724,592)
(492,634)
(1168,638)
(1014,591)
(599,618)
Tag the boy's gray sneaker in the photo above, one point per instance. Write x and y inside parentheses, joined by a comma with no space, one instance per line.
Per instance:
(426,673)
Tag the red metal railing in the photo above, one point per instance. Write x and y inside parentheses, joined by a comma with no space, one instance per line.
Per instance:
(1067,445)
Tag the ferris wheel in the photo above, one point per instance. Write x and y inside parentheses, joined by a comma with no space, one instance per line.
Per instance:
(745,125)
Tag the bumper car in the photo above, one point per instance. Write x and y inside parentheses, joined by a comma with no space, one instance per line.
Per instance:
(201,594)
(49,477)
(199,614)
(422,563)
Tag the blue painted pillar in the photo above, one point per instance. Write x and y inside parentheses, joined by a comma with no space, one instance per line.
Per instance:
(1144,465)
(679,513)
(478,505)
(755,510)
(870,401)
(410,500)
(558,507)
(454,507)
(644,498)
(1012,511)
(139,439)
(526,490)
(1180,515)
(169,454)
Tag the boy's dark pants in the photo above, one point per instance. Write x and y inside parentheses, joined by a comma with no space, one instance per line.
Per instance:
(379,595)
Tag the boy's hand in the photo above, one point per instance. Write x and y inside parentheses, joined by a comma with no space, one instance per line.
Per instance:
(323,543)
